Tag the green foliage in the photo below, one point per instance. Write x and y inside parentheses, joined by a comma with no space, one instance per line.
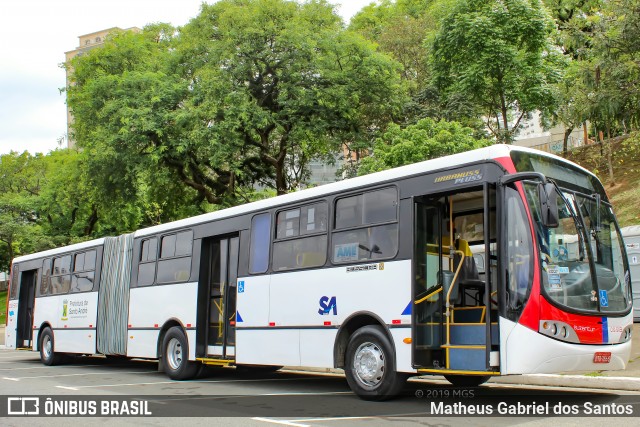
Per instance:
(498,55)
(425,140)
(247,92)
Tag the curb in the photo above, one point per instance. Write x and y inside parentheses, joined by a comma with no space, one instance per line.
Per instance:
(574,381)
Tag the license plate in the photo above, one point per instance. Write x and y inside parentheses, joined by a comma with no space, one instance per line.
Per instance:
(602,357)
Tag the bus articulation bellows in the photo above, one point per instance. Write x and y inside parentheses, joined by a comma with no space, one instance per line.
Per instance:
(492,262)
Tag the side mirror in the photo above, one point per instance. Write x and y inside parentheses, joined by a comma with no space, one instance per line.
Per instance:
(548,197)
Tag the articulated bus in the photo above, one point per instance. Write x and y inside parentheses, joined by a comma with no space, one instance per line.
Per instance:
(497,261)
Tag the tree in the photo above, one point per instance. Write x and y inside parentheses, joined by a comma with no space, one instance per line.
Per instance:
(247,92)
(425,140)
(498,54)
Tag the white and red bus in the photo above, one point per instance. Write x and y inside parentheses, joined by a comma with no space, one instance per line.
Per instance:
(492,262)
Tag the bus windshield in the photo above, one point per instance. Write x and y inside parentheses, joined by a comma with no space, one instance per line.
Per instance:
(582,261)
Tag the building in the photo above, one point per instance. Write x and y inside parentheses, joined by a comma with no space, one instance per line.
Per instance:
(532,135)
(86,43)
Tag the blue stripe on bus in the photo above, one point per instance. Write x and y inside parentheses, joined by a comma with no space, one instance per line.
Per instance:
(407,310)
(238,317)
(605,330)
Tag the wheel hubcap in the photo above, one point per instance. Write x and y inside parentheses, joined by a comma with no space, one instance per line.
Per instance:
(174,354)
(368,364)
(46,347)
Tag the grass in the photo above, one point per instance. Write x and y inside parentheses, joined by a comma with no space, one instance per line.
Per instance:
(625,192)
(594,374)
(3,305)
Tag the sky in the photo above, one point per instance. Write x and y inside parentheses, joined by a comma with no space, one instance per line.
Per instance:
(35,34)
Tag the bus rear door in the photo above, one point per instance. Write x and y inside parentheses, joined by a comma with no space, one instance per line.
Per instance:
(220,256)
(26,304)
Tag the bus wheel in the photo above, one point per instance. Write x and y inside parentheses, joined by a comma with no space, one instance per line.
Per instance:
(47,354)
(467,380)
(176,356)
(369,365)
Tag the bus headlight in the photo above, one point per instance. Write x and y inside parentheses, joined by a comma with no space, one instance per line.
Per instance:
(558,330)
(626,334)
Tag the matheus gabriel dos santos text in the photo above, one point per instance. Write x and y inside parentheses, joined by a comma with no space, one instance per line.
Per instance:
(533,408)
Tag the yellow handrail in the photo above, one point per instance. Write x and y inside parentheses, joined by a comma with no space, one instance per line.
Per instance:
(455,277)
(428,296)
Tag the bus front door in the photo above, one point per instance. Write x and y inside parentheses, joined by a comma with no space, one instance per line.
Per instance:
(428,302)
(26,303)
(453,319)
(222,278)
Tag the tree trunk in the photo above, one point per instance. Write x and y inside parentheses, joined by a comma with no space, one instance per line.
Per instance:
(91,222)
(565,141)
(505,124)
(281,177)
(609,149)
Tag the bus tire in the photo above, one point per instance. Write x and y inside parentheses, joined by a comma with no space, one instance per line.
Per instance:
(48,356)
(175,355)
(369,365)
(467,380)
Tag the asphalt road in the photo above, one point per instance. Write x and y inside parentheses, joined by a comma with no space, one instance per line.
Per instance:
(224,396)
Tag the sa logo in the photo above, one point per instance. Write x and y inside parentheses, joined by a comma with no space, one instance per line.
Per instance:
(327,305)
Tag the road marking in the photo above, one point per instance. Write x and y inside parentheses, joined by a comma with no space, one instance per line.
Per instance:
(188,382)
(22,369)
(49,367)
(283,422)
(75,375)
(296,422)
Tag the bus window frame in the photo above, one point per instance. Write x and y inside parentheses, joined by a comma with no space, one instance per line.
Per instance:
(74,271)
(300,236)
(52,275)
(160,258)
(335,230)
(268,214)
(154,261)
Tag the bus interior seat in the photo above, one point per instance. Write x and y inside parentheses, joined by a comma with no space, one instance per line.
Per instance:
(469,278)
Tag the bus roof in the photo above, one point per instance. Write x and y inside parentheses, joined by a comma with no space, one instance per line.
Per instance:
(482,154)
(460,159)
(55,251)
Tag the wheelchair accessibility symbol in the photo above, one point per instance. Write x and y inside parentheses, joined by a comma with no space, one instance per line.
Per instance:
(604,299)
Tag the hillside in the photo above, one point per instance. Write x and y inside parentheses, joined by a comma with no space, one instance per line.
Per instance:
(624,193)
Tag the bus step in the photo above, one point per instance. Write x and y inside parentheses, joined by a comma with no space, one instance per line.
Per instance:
(25,348)
(469,314)
(455,372)
(467,358)
(216,362)
(472,334)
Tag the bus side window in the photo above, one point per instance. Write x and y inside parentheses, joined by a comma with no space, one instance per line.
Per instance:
(83,271)
(519,250)
(291,249)
(259,244)
(61,275)
(14,281)
(45,281)
(147,264)
(359,242)
(174,265)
